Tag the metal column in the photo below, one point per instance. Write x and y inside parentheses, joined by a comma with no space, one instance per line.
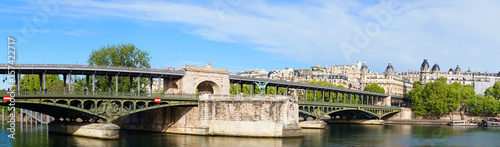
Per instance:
(314,94)
(237,88)
(338,96)
(139,85)
(343,96)
(44,81)
(130,81)
(109,83)
(305,95)
(116,83)
(286,90)
(251,89)
(70,80)
(18,82)
(64,81)
(151,84)
(93,84)
(351,98)
(330,99)
(323,97)
(40,79)
(165,85)
(87,80)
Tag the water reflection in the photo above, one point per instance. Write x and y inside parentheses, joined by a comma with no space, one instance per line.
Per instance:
(161,139)
(333,135)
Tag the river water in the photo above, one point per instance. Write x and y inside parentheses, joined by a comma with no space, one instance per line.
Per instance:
(334,135)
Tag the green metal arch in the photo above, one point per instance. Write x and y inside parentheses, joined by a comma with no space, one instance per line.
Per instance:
(347,109)
(154,107)
(350,109)
(90,113)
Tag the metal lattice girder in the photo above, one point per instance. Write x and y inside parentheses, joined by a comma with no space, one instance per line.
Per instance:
(106,106)
(308,107)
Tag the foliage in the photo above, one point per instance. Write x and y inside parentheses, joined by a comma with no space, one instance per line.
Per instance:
(319,94)
(481,104)
(440,98)
(418,104)
(30,82)
(122,55)
(493,91)
(374,88)
(246,90)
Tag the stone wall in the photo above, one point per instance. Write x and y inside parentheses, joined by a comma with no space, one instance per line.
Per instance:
(255,116)
(405,114)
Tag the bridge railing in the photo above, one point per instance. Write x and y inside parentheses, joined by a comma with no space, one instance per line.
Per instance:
(172,70)
(105,93)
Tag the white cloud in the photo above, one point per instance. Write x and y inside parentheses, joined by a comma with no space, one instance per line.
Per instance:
(447,32)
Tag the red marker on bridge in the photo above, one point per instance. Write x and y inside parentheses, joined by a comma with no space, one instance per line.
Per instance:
(157,100)
(7,98)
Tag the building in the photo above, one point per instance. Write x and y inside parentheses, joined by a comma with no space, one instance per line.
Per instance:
(397,84)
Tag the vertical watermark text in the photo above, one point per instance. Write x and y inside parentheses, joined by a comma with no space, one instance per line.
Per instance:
(11,93)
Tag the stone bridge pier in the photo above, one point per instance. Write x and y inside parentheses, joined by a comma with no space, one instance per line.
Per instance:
(236,115)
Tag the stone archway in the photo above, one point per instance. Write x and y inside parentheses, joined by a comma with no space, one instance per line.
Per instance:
(207,87)
(207,79)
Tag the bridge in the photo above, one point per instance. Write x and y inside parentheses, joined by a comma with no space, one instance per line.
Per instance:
(179,85)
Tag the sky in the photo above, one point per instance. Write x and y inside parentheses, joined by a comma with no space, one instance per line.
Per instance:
(257,34)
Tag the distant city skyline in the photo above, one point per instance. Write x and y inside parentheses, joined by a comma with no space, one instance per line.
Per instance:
(269,35)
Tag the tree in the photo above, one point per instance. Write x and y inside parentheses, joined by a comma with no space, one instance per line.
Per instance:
(440,98)
(435,95)
(374,88)
(476,104)
(122,55)
(418,104)
(493,91)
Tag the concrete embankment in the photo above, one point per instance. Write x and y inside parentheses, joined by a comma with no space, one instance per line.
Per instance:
(416,122)
(313,124)
(93,130)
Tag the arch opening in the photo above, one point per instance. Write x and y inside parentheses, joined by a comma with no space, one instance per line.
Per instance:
(207,87)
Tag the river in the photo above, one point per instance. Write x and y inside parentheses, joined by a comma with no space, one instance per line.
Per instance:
(334,135)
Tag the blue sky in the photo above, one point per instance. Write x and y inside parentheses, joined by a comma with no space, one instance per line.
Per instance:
(241,35)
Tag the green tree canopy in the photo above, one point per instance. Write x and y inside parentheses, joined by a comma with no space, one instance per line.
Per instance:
(30,82)
(122,55)
(374,88)
(440,98)
(493,91)
(417,99)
